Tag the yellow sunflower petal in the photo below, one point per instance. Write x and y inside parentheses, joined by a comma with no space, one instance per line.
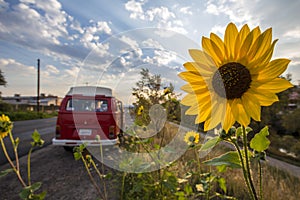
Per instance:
(246,46)
(201,57)
(276,85)
(191,77)
(194,88)
(217,40)
(199,68)
(240,113)
(205,112)
(260,63)
(256,33)
(230,36)
(189,99)
(218,112)
(193,110)
(229,119)
(274,69)
(252,106)
(260,45)
(187,88)
(264,97)
(240,40)
(212,49)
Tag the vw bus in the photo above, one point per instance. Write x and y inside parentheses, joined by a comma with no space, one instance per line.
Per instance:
(89,115)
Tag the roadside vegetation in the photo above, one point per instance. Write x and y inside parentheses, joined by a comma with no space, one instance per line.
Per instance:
(23,114)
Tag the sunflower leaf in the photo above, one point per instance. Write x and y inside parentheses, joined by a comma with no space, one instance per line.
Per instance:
(210,143)
(230,159)
(5,172)
(260,142)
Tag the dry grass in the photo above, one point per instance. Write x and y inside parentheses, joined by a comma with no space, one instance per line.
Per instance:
(277,184)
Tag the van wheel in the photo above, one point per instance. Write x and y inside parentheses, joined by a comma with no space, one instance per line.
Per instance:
(121,138)
(68,148)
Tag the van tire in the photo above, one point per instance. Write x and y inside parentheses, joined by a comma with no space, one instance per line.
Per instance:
(121,138)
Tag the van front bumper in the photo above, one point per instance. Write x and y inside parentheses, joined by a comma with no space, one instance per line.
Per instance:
(64,142)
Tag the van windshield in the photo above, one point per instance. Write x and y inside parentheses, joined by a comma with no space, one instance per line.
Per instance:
(87,105)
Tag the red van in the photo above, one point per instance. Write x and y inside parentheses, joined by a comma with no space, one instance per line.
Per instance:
(89,115)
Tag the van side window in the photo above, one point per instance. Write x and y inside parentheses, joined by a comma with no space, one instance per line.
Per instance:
(69,105)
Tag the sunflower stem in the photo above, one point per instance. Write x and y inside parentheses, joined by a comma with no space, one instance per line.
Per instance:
(91,177)
(243,168)
(12,164)
(248,171)
(28,166)
(260,180)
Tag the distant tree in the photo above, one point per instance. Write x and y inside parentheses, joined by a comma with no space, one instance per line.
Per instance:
(291,121)
(2,79)
(148,92)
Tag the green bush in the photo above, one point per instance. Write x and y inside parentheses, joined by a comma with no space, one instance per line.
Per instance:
(5,107)
(296,149)
(290,121)
(29,115)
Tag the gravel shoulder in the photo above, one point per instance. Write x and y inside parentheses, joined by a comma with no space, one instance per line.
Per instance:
(61,176)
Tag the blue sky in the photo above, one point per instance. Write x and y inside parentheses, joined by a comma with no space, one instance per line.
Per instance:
(107,42)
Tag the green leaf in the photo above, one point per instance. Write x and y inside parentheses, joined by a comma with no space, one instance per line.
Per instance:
(35,186)
(222,184)
(5,172)
(221,168)
(210,144)
(180,195)
(260,142)
(28,192)
(77,155)
(239,132)
(188,189)
(37,141)
(248,129)
(24,194)
(40,196)
(230,159)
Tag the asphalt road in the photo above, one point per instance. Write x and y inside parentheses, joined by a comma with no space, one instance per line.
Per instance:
(23,130)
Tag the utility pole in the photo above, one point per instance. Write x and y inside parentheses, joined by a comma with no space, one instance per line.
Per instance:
(38,86)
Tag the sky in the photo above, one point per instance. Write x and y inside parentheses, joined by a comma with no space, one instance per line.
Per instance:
(107,43)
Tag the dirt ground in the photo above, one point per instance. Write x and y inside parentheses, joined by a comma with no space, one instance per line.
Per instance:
(61,176)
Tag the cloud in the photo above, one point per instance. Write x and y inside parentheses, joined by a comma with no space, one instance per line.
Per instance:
(3,5)
(20,78)
(160,16)
(52,69)
(45,27)
(136,9)
(186,10)
(236,11)
(91,34)
(152,43)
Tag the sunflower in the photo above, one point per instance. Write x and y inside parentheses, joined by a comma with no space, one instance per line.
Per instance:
(140,110)
(191,138)
(230,80)
(5,126)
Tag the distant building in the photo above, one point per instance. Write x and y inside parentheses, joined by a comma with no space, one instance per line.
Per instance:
(30,102)
(294,98)
(17,99)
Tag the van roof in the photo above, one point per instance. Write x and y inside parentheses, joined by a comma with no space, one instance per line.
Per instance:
(90,91)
